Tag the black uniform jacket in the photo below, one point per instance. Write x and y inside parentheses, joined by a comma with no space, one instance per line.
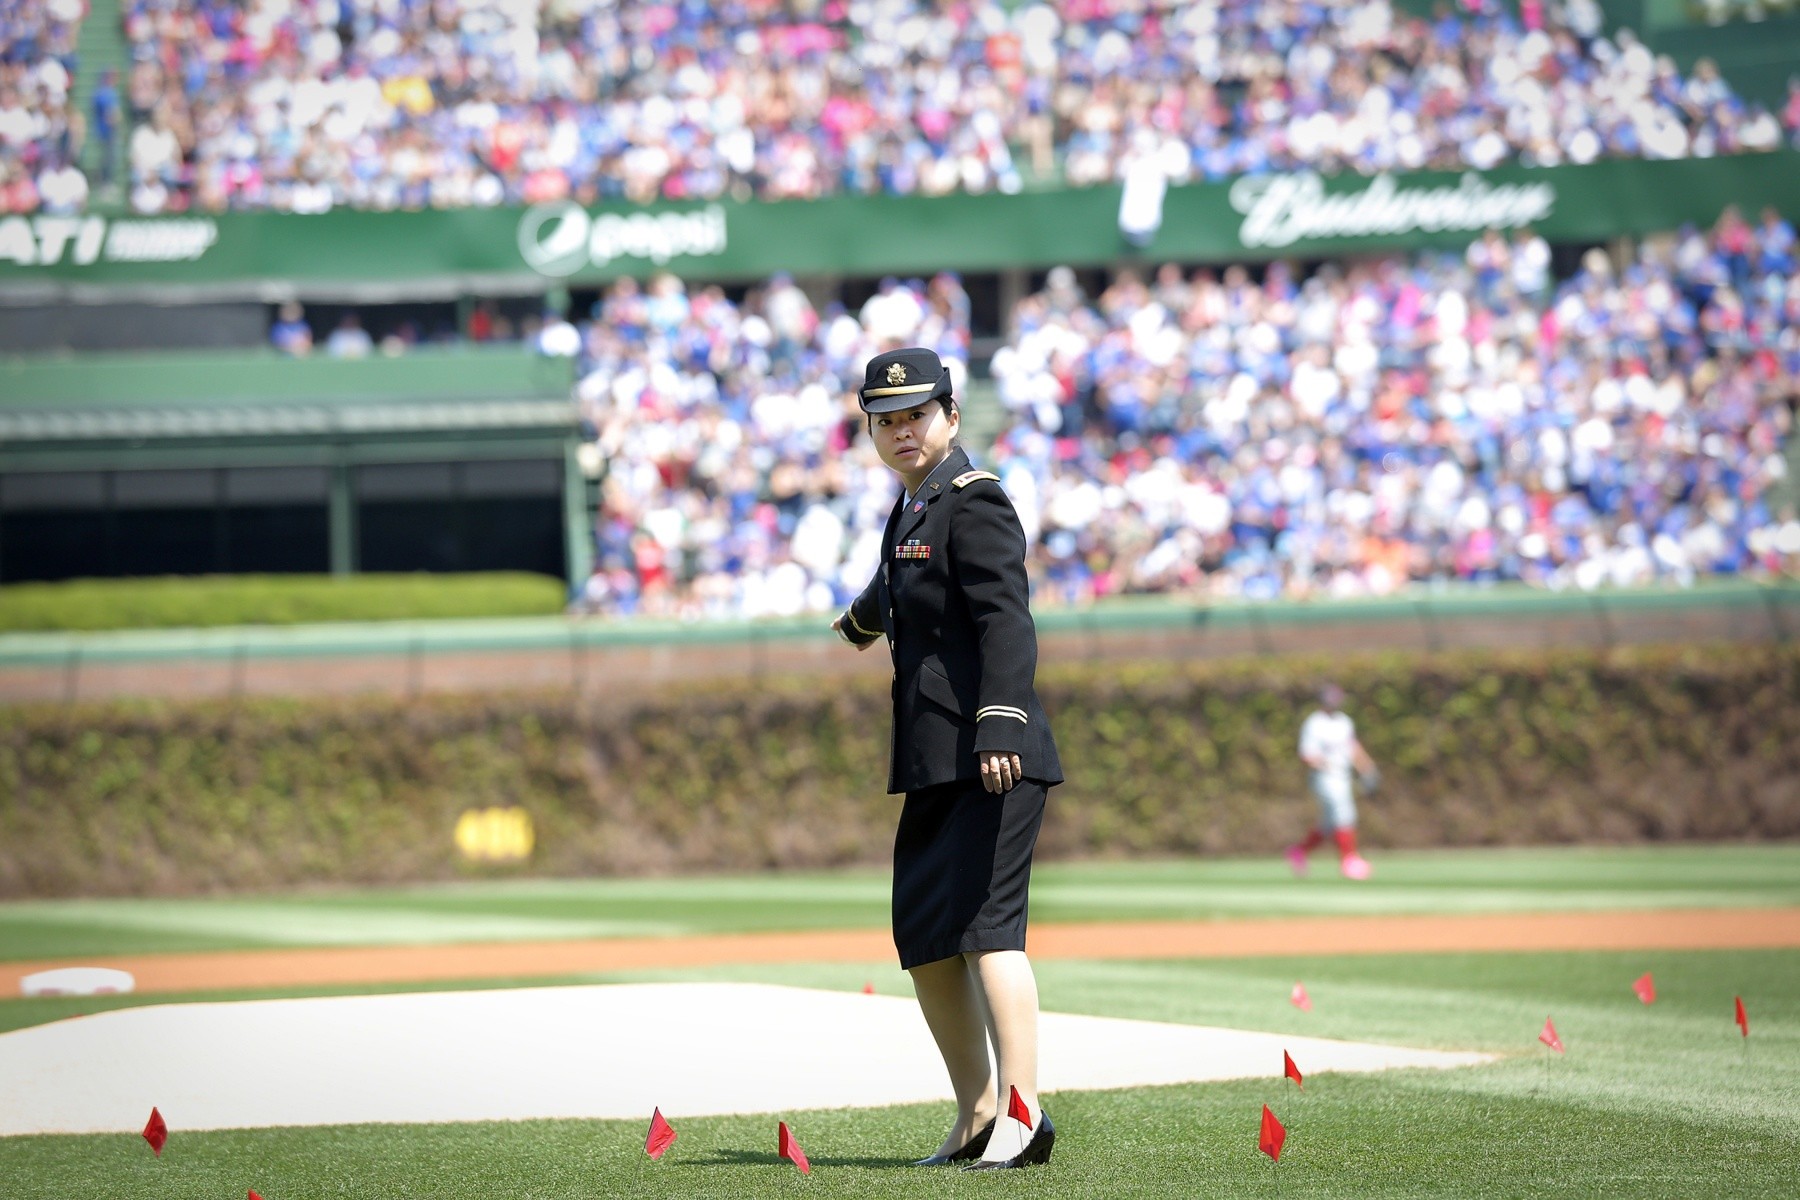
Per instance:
(951,598)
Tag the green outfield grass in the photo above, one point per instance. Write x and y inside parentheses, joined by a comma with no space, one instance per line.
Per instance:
(1467,881)
(1659,1101)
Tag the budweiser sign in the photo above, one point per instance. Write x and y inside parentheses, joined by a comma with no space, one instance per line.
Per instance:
(1280,210)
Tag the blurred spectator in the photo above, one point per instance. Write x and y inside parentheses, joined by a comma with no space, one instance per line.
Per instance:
(481,325)
(18,191)
(155,158)
(399,340)
(349,339)
(1145,173)
(557,338)
(290,333)
(1529,265)
(105,105)
(61,187)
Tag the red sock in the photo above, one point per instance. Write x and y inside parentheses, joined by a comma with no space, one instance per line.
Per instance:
(1312,841)
(1346,842)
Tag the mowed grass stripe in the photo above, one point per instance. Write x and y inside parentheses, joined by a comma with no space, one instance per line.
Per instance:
(1376,1137)
(281,923)
(1659,1101)
(1683,929)
(1462,881)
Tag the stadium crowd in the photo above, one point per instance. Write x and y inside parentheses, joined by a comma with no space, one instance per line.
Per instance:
(41,127)
(738,480)
(307,105)
(1411,421)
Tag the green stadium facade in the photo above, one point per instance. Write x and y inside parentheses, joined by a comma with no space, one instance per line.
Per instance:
(220,461)
(444,253)
(233,460)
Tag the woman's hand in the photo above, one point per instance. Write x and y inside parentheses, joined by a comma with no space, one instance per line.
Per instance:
(1000,771)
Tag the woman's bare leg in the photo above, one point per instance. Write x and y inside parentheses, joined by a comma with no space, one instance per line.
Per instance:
(951,1000)
(1009,990)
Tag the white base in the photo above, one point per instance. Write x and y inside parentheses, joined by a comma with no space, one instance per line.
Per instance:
(593,1052)
(77,981)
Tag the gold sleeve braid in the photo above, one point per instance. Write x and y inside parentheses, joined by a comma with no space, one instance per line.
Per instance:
(968,477)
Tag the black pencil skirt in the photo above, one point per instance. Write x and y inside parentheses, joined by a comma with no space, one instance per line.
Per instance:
(962,869)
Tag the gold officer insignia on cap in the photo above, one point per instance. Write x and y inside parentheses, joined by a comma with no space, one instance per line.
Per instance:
(968,477)
(896,373)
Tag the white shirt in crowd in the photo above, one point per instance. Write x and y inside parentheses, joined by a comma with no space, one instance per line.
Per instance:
(1330,738)
(63,189)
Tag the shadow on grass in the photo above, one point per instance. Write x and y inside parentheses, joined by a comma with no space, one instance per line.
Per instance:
(764,1158)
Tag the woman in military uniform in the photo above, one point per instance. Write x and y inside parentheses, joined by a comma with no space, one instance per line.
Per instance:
(972,751)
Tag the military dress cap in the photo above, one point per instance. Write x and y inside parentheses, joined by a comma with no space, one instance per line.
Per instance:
(903,379)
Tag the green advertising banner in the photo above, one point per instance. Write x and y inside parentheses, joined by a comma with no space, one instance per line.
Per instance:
(94,257)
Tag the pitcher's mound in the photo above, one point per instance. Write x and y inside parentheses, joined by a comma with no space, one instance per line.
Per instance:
(601,1051)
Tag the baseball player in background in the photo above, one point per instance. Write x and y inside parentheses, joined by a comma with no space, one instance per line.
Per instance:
(1329,748)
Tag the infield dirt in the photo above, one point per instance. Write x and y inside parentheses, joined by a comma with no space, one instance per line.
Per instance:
(1683,929)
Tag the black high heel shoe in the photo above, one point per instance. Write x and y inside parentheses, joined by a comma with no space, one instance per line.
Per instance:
(971,1149)
(1036,1151)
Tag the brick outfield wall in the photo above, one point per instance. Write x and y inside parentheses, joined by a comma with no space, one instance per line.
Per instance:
(603,672)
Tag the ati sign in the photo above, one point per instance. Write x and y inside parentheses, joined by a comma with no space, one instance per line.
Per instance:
(84,241)
(1280,210)
(562,238)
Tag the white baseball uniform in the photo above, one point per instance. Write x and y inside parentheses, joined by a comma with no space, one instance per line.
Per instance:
(1331,738)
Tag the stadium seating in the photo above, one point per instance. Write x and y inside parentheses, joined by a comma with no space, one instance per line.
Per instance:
(1411,421)
(737,479)
(41,129)
(475,102)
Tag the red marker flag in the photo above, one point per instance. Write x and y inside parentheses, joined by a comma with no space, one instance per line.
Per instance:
(1015,1108)
(1743,1020)
(1549,1038)
(788,1148)
(1299,999)
(868,989)
(1273,1134)
(1645,987)
(156,1131)
(661,1136)
(253,1195)
(1290,1070)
